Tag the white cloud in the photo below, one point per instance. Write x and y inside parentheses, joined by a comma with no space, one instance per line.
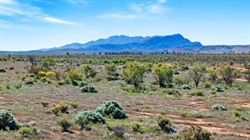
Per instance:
(55,20)
(6,1)
(162,1)
(117,16)
(13,8)
(136,7)
(156,8)
(78,2)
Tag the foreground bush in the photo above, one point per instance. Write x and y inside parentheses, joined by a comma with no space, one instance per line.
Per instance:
(165,124)
(26,131)
(112,109)
(83,118)
(7,121)
(193,133)
(61,107)
(88,88)
(64,123)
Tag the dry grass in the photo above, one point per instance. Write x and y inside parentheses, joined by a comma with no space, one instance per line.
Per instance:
(25,105)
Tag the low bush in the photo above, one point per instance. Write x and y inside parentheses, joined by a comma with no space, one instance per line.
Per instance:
(217,89)
(171,92)
(196,93)
(236,113)
(45,103)
(219,107)
(207,84)
(186,87)
(136,126)
(73,104)
(64,123)
(50,74)
(26,131)
(88,88)
(83,118)
(119,131)
(7,121)
(61,107)
(165,124)
(193,133)
(112,109)
(41,74)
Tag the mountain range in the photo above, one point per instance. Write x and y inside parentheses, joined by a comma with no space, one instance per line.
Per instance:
(169,43)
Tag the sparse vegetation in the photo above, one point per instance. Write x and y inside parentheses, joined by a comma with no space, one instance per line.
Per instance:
(39,98)
(112,109)
(7,121)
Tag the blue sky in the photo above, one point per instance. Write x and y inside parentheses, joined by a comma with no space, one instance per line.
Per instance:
(35,24)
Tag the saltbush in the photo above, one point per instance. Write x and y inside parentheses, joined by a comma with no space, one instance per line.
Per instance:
(165,124)
(88,88)
(26,131)
(112,109)
(186,87)
(193,133)
(196,93)
(136,126)
(207,84)
(217,89)
(82,118)
(61,107)
(219,107)
(7,121)
(64,123)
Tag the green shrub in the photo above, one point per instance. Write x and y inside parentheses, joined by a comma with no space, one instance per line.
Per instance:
(112,78)
(217,89)
(64,123)
(236,113)
(171,92)
(136,126)
(74,75)
(88,71)
(45,103)
(7,121)
(193,133)
(112,109)
(82,83)
(196,93)
(60,83)
(29,82)
(212,92)
(165,124)
(7,86)
(61,107)
(186,87)
(219,107)
(207,84)
(88,88)
(82,118)
(26,131)
(73,104)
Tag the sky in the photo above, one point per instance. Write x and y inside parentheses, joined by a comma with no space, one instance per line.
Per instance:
(36,24)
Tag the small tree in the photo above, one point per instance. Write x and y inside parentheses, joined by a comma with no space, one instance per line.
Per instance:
(163,74)
(212,75)
(133,73)
(197,73)
(47,62)
(229,74)
(247,72)
(88,71)
(111,68)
